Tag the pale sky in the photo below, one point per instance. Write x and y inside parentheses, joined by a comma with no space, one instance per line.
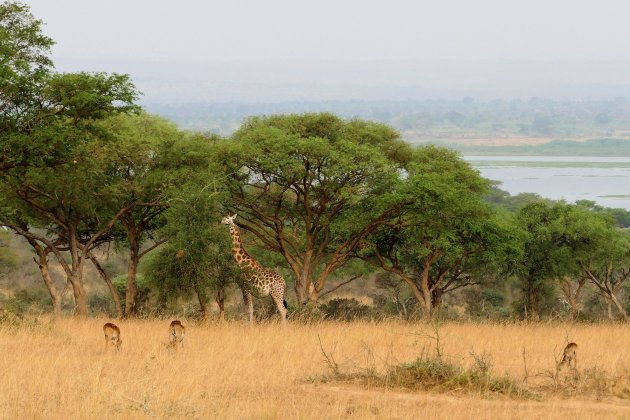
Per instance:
(132,34)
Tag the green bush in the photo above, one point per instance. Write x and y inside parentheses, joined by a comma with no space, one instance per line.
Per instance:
(101,303)
(344,309)
(486,303)
(435,374)
(23,300)
(493,297)
(143,292)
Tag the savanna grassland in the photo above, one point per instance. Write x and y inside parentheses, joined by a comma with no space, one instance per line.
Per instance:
(61,370)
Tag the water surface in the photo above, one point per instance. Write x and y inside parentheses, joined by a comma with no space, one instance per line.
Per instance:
(605,180)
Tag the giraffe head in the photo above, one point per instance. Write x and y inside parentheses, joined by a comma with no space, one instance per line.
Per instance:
(228,220)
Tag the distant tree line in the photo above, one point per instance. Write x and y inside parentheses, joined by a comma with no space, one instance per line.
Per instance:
(325,199)
(431,120)
(594,147)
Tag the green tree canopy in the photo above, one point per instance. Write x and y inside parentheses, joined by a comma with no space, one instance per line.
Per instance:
(196,257)
(311,187)
(25,67)
(59,175)
(144,146)
(571,244)
(444,236)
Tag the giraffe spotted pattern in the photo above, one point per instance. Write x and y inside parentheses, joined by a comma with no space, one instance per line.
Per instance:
(258,280)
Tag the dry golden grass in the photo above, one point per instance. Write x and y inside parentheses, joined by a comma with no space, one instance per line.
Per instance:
(61,370)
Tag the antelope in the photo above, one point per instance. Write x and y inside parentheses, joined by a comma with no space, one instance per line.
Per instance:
(569,356)
(176,331)
(112,336)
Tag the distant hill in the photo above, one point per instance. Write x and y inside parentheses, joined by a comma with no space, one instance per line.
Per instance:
(465,121)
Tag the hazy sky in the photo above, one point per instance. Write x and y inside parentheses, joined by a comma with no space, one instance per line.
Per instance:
(121,32)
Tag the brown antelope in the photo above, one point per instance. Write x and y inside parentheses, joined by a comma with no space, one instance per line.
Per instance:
(176,333)
(569,356)
(112,336)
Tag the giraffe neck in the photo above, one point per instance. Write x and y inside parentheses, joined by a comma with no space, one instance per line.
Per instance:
(242,258)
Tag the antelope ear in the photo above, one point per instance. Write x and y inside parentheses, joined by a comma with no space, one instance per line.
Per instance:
(234,217)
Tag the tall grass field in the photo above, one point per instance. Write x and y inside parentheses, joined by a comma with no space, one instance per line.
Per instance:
(61,370)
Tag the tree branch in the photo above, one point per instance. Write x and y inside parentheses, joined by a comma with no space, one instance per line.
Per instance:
(339,285)
(151,248)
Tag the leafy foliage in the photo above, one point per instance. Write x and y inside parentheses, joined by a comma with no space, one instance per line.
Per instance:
(343,309)
(8,259)
(443,235)
(300,183)
(197,258)
(24,69)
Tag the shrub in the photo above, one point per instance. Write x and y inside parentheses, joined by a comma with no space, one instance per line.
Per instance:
(486,303)
(23,300)
(142,294)
(101,303)
(435,374)
(344,309)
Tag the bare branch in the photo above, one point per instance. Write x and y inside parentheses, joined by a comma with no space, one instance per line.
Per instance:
(340,285)
(151,248)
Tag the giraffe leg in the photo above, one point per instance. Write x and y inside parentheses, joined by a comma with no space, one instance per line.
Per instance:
(249,304)
(278,298)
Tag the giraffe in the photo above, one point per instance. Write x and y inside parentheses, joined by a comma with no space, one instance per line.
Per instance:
(259,280)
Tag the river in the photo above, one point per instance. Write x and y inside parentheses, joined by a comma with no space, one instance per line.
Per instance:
(605,180)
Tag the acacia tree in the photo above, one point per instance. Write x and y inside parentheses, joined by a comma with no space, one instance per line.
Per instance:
(610,273)
(597,252)
(196,258)
(544,259)
(444,236)
(573,245)
(311,187)
(25,69)
(64,187)
(145,144)
(572,227)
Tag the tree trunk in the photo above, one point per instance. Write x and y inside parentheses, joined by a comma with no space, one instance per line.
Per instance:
(78,288)
(427,303)
(132,271)
(609,312)
(575,310)
(110,286)
(608,289)
(203,302)
(304,280)
(427,308)
(302,286)
(75,275)
(437,295)
(308,289)
(619,307)
(220,299)
(42,262)
(533,304)
(417,293)
(572,296)
(314,289)
(55,296)
(80,296)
